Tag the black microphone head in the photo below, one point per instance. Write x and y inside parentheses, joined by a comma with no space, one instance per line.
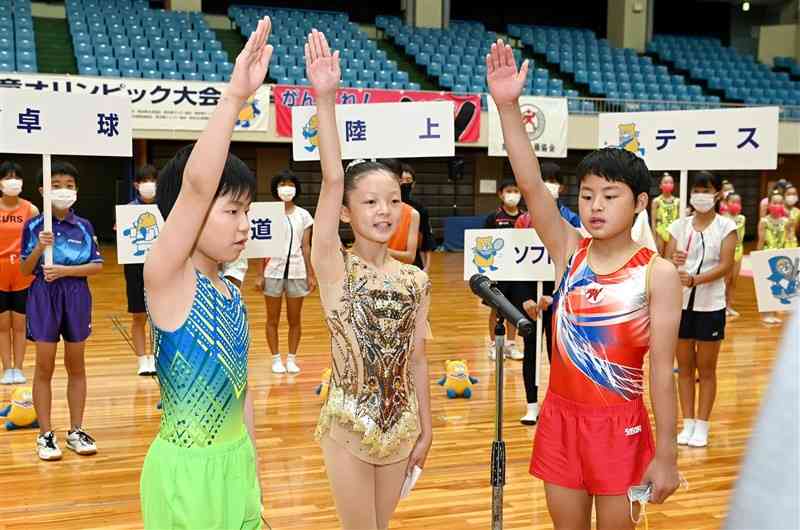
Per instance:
(476,281)
(525,328)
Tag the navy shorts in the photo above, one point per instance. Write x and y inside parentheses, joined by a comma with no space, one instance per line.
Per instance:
(61,309)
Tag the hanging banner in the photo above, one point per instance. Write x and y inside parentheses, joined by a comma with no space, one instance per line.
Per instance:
(776,276)
(507,254)
(374,131)
(155,103)
(545,121)
(742,138)
(467,108)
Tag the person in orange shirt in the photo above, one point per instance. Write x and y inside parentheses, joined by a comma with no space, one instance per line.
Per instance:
(404,241)
(14,211)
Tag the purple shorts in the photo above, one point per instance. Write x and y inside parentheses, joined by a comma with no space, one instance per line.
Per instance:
(62,308)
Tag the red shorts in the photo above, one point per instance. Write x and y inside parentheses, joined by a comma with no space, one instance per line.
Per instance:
(600,449)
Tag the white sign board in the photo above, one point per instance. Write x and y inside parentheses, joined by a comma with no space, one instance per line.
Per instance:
(506,254)
(155,103)
(138,226)
(545,121)
(379,130)
(743,138)
(776,276)
(269,231)
(64,124)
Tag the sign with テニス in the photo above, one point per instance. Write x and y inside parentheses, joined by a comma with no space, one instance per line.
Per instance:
(160,104)
(776,276)
(506,254)
(138,226)
(545,121)
(741,138)
(64,124)
(379,130)
(268,230)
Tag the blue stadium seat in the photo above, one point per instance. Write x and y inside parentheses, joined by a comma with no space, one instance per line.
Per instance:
(192,76)
(207,67)
(214,78)
(151,74)
(225,69)
(173,75)
(82,70)
(128,64)
(148,64)
(162,54)
(166,65)
(447,80)
(121,52)
(142,52)
(219,56)
(366,75)
(110,72)
(187,67)
(131,72)
(460,89)
(105,62)
(400,77)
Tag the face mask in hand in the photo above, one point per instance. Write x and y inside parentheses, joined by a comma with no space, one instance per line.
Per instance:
(63,198)
(12,187)
(147,190)
(702,202)
(286,193)
(511,199)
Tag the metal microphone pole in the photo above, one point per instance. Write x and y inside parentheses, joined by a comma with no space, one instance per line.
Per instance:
(498,445)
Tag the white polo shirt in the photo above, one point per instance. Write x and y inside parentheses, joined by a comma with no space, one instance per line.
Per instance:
(296,224)
(703,250)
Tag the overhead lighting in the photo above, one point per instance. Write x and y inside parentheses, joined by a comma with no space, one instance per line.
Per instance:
(745,6)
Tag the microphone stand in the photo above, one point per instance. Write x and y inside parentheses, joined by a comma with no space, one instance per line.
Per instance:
(498,476)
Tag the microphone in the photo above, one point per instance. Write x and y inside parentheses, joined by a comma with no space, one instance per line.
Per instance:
(483,288)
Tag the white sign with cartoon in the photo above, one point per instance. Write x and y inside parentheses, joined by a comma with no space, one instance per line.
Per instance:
(776,276)
(138,226)
(508,254)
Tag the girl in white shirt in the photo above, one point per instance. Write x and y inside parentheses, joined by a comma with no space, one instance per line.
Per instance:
(290,275)
(702,247)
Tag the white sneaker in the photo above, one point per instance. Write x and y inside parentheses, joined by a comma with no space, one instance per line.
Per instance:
(8,377)
(511,351)
(80,442)
(142,365)
(291,366)
(531,416)
(277,365)
(47,446)
(151,365)
(700,435)
(492,352)
(686,434)
(19,377)
(732,312)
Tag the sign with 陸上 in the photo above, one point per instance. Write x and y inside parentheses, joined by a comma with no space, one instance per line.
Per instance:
(507,254)
(138,226)
(776,276)
(268,230)
(64,124)
(742,138)
(379,130)
(545,121)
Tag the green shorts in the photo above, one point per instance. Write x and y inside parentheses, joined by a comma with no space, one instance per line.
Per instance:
(201,488)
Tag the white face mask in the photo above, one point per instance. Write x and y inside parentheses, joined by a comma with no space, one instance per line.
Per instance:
(12,187)
(791,200)
(553,188)
(511,199)
(147,190)
(63,198)
(286,193)
(702,202)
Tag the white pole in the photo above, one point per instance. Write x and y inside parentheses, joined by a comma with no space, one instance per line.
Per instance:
(539,337)
(47,211)
(684,193)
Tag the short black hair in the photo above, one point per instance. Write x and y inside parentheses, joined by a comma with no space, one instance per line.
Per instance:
(394,165)
(59,168)
(706,179)
(551,171)
(616,165)
(236,180)
(144,172)
(280,177)
(506,183)
(10,167)
(408,168)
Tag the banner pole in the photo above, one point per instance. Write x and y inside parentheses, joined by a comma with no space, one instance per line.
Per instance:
(47,210)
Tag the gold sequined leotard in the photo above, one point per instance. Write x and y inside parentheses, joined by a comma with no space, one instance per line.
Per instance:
(372,407)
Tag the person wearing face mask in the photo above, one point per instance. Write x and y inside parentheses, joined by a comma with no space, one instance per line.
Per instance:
(427,243)
(290,276)
(735,214)
(664,210)
(14,212)
(144,184)
(702,247)
(773,234)
(793,214)
(506,216)
(404,243)
(59,307)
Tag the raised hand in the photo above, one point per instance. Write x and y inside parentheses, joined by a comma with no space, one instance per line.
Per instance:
(251,65)
(322,66)
(504,80)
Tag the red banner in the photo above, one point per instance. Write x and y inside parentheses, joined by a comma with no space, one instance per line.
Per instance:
(467,111)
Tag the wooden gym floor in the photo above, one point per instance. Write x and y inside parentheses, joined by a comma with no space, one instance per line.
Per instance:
(102,491)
